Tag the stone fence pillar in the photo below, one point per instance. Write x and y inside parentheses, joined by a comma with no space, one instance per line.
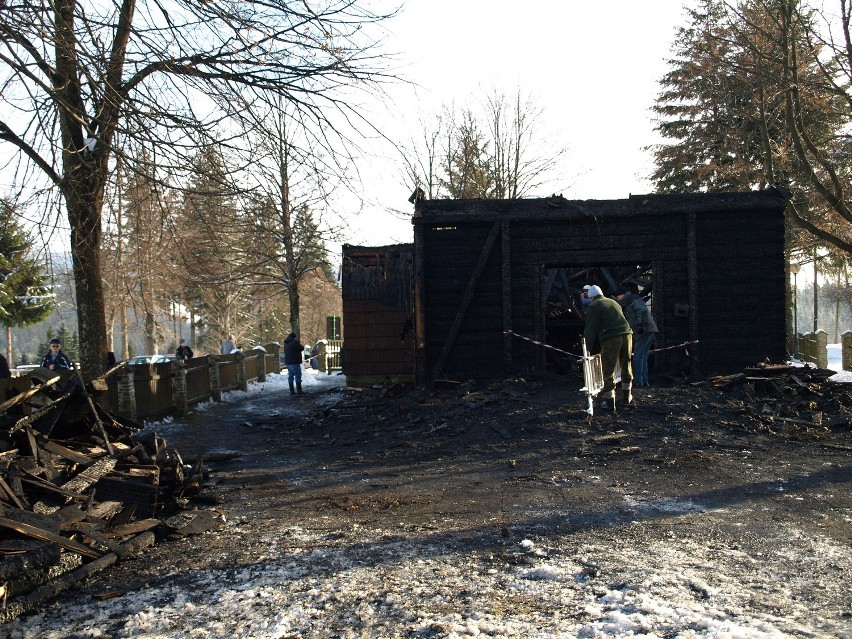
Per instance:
(215,380)
(274,349)
(242,384)
(822,349)
(127,394)
(261,364)
(179,388)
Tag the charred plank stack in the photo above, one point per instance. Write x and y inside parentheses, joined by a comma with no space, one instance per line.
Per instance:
(78,488)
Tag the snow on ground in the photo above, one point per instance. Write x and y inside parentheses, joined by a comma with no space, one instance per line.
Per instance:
(835,363)
(276,383)
(387,585)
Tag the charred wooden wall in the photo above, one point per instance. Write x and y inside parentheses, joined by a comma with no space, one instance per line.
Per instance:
(718,262)
(378,309)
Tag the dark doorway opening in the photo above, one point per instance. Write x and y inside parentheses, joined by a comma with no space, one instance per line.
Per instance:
(564,303)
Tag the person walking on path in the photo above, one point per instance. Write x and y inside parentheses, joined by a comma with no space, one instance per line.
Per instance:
(644,327)
(183,351)
(293,360)
(227,346)
(606,324)
(56,360)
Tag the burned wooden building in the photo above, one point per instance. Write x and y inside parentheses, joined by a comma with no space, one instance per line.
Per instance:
(498,283)
(378,311)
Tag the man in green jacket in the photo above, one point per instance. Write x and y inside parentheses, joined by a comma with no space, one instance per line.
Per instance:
(606,324)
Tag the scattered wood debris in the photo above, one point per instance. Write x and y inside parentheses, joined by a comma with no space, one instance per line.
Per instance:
(788,399)
(80,489)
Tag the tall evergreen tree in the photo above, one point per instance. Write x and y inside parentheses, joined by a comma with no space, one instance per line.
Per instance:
(468,166)
(25,293)
(207,240)
(725,104)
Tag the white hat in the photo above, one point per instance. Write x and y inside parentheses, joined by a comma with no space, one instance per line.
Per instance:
(587,287)
(595,291)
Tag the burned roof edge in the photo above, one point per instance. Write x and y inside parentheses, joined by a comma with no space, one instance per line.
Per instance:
(427,211)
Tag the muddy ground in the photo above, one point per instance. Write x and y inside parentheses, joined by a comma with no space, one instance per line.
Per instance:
(754,480)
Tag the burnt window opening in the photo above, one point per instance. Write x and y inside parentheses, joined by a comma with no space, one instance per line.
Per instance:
(563,310)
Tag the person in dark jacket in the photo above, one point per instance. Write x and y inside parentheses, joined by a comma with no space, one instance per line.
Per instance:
(606,324)
(183,351)
(56,360)
(293,360)
(644,331)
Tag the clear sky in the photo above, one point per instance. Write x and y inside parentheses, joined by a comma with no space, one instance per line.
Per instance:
(592,66)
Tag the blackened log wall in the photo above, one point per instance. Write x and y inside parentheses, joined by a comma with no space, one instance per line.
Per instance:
(718,262)
(378,312)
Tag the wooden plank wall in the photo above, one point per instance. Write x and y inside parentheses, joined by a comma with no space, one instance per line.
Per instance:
(378,310)
(741,290)
(450,257)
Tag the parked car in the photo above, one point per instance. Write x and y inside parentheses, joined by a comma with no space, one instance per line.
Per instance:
(144,360)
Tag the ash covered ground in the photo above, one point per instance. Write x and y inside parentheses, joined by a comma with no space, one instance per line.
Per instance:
(498,510)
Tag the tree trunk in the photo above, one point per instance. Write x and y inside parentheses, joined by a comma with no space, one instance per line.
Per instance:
(150,333)
(9,357)
(85,219)
(125,345)
(293,295)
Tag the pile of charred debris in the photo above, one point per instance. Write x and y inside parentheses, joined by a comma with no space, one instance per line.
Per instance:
(789,400)
(80,488)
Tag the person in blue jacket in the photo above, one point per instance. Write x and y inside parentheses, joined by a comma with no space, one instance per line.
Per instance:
(293,360)
(56,360)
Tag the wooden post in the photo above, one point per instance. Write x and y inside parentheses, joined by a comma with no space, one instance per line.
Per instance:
(692,284)
(846,350)
(506,276)
(420,373)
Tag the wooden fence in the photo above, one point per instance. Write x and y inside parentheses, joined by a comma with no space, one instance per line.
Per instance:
(156,390)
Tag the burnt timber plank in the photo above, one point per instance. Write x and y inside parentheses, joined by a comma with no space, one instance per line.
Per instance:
(90,475)
(22,397)
(46,535)
(52,446)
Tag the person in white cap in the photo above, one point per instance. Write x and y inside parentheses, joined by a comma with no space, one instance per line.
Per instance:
(606,325)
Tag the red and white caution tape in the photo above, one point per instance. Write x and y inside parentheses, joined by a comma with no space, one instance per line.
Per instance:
(669,348)
(542,344)
(559,350)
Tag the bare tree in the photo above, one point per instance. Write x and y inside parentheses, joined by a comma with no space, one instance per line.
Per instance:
(497,149)
(76,74)
(294,181)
